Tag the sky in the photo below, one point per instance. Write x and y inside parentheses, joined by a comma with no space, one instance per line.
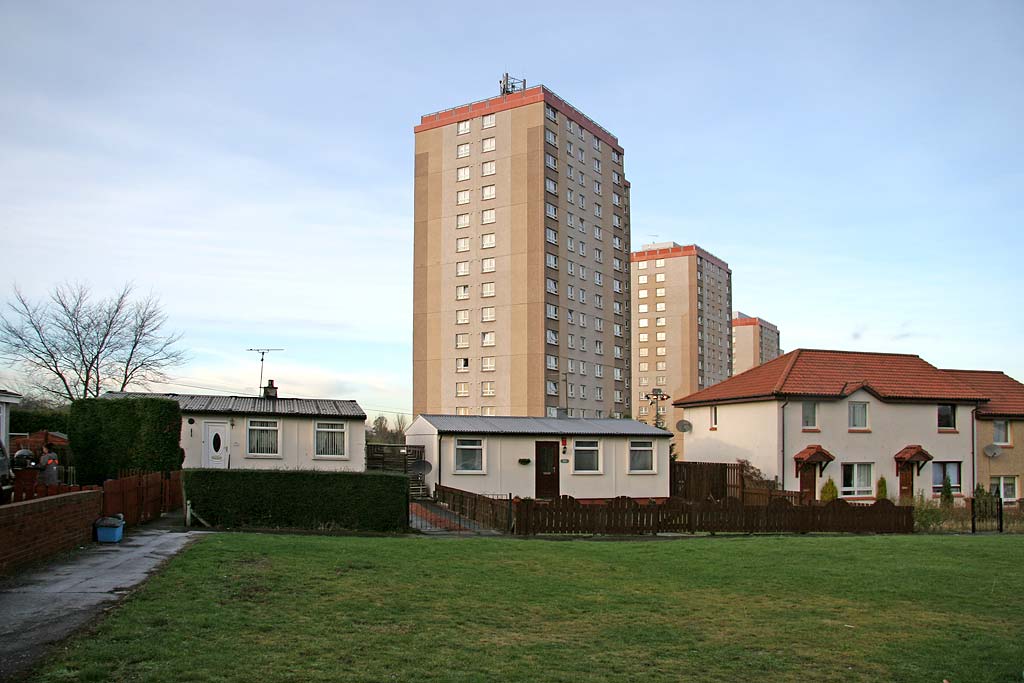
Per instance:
(859,165)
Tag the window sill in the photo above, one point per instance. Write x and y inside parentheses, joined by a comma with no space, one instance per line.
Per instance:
(587,474)
(1005,445)
(936,496)
(256,456)
(712,429)
(471,472)
(647,472)
(331,457)
(859,431)
(948,431)
(841,497)
(810,430)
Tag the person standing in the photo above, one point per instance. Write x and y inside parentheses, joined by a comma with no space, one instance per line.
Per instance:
(49,464)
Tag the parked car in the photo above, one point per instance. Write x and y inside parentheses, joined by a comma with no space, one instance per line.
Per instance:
(6,477)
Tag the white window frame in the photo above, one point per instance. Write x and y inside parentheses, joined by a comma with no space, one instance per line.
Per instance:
(867,415)
(1006,428)
(482,447)
(277,437)
(600,456)
(854,491)
(344,431)
(653,448)
(814,415)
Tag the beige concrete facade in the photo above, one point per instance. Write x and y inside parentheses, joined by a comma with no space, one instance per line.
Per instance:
(754,341)
(507,193)
(1001,474)
(682,339)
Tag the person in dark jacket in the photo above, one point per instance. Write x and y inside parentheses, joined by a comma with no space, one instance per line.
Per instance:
(49,464)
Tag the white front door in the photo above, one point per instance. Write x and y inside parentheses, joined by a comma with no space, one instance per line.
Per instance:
(215,444)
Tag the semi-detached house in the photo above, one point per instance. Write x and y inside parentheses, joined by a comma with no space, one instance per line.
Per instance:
(854,417)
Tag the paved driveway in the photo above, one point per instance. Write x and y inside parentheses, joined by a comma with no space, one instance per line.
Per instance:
(48,603)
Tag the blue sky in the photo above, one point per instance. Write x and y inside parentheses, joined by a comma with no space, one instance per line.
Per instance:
(859,165)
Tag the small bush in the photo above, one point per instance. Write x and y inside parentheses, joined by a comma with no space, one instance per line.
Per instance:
(39,419)
(946,496)
(829,491)
(881,489)
(299,499)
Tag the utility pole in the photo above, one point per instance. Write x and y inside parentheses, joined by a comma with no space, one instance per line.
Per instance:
(263,353)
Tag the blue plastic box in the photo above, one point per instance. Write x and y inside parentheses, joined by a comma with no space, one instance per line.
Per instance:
(110,534)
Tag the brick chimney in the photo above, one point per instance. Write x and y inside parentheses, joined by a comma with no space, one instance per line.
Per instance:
(270,391)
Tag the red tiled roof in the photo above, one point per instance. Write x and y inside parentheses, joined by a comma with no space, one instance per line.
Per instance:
(814,453)
(913,453)
(1006,395)
(837,374)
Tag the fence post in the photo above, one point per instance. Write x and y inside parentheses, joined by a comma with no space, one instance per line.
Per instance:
(974,514)
(1000,502)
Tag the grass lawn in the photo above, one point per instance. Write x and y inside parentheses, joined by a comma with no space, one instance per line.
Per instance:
(245,607)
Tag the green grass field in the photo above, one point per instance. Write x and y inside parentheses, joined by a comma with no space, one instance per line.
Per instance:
(246,607)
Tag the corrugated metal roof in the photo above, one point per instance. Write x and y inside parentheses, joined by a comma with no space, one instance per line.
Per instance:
(568,426)
(248,405)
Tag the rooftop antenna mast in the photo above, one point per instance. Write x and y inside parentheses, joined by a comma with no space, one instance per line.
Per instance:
(263,353)
(509,85)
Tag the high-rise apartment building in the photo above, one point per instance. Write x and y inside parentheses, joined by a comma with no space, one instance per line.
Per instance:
(682,309)
(754,341)
(521,303)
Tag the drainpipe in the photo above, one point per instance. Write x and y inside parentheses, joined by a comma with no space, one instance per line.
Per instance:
(440,462)
(782,452)
(974,465)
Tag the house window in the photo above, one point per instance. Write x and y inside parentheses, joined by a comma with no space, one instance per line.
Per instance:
(487,339)
(462,316)
(550,210)
(551,260)
(262,437)
(550,161)
(462,340)
(1001,432)
(551,235)
(552,311)
(1003,487)
(462,150)
(488,121)
(461,365)
(487,191)
(487,240)
(714,417)
(585,457)
(463,127)
(487,364)
(462,389)
(330,439)
(947,416)
(942,470)
(551,361)
(487,314)
(552,388)
(488,411)
(461,292)
(462,220)
(462,197)
(857,479)
(487,388)
(488,144)
(487,265)
(641,456)
(469,455)
(551,285)
(487,168)
(810,415)
(858,415)
(461,410)
(487,216)
(462,173)
(550,137)
(462,268)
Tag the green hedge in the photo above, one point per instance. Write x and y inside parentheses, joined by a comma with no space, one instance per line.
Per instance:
(299,499)
(110,435)
(37,420)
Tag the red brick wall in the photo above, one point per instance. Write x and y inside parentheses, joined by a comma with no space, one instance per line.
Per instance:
(36,529)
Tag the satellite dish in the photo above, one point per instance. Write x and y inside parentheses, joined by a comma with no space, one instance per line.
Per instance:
(685,426)
(421,467)
(992,450)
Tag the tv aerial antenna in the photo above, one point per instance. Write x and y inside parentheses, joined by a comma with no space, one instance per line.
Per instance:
(509,85)
(263,353)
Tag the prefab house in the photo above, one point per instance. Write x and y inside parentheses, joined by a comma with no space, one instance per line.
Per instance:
(530,457)
(246,432)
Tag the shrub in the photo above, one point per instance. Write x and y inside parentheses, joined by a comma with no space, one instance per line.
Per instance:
(829,491)
(110,435)
(927,515)
(881,489)
(946,496)
(299,499)
(39,419)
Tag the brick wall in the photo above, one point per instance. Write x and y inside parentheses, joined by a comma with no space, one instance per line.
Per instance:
(36,529)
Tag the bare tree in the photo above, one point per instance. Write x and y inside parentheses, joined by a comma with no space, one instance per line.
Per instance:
(71,346)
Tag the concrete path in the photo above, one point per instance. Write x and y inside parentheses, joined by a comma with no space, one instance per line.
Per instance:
(49,602)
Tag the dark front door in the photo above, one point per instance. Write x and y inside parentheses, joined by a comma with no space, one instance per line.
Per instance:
(906,481)
(808,484)
(547,469)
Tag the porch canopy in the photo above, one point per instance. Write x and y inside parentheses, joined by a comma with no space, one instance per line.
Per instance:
(913,455)
(813,455)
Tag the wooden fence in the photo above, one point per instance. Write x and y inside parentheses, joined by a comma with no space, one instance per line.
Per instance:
(494,512)
(389,457)
(139,497)
(626,516)
(700,481)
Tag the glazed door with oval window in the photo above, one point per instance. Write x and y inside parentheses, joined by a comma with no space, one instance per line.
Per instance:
(215,444)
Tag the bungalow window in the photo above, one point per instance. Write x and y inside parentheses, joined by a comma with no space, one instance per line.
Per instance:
(858,415)
(857,479)
(947,416)
(943,470)
(1001,432)
(641,456)
(810,415)
(262,437)
(714,417)
(585,457)
(469,455)
(330,439)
